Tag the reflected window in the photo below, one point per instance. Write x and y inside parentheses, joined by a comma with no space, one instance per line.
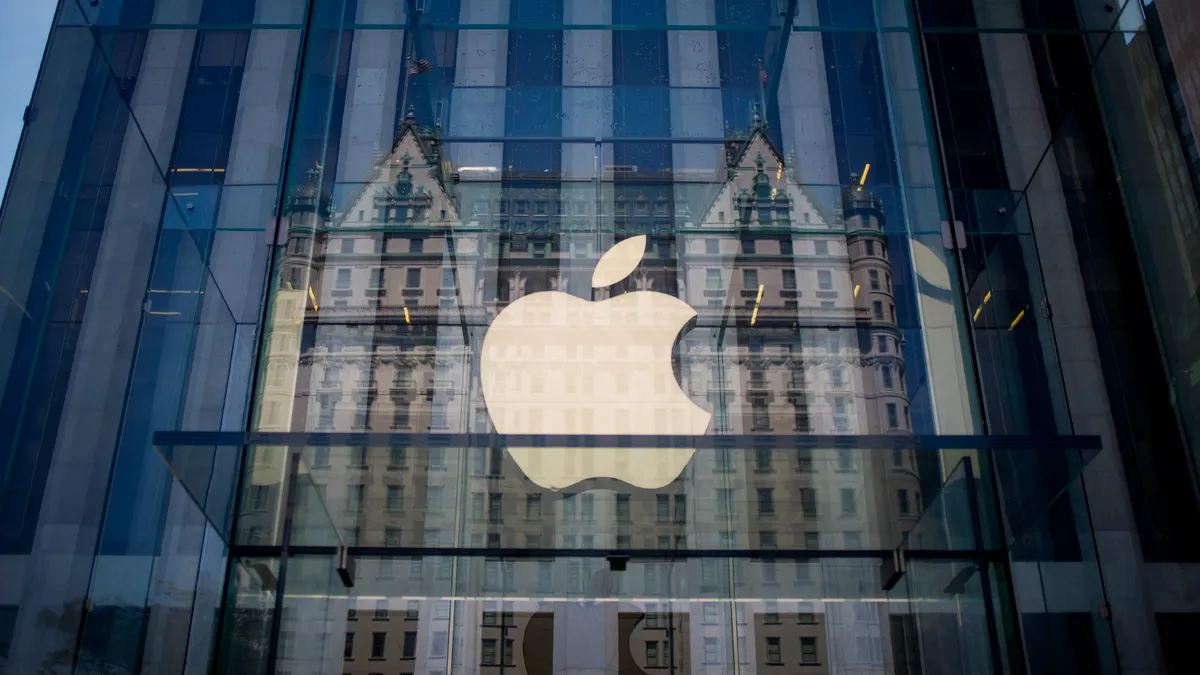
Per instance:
(821,247)
(680,508)
(256,497)
(495,509)
(355,498)
(873,277)
(533,507)
(887,378)
(870,247)
(761,418)
(651,649)
(748,247)
(766,501)
(724,502)
(347,245)
(750,279)
(825,280)
(773,655)
(893,417)
(488,652)
(433,499)
(902,501)
(767,540)
(348,649)
(789,280)
(437,458)
(320,457)
(849,502)
(853,540)
(840,422)
(877,310)
(785,244)
(808,502)
(663,508)
(771,613)
(762,460)
(713,279)
(804,456)
(409,645)
(803,425)
(587,507)
(397,456)
(343,279)
(808,650)
(710,650)
(623,512)
(412,278)
(395,498)
(882,345)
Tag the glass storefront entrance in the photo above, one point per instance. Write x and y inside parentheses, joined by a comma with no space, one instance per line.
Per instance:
(621,337)
(698,577)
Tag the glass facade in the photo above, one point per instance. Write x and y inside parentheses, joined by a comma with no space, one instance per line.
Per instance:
(602,336)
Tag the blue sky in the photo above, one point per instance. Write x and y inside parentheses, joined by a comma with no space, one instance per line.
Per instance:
(24,25)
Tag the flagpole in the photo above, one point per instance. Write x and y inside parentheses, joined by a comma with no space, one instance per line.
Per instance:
(407,77)
(762,94)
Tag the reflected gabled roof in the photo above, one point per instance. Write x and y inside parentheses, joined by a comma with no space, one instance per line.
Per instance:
(415,151)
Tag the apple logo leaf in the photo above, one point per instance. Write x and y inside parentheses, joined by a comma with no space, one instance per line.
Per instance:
(619,261)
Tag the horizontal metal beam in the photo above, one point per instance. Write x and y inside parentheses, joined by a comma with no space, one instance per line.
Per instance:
(710,442)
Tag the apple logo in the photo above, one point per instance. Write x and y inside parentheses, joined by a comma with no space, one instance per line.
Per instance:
(553,363)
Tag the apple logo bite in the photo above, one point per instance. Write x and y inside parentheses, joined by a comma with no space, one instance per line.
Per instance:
(553,363)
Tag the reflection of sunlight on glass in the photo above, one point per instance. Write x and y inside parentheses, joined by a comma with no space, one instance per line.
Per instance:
(754,316)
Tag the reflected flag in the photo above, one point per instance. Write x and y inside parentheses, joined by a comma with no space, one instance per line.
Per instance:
(421,66)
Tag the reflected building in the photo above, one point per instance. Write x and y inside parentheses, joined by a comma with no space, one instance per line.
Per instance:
(395,284)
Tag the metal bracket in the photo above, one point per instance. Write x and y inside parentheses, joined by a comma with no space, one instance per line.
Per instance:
(345,566)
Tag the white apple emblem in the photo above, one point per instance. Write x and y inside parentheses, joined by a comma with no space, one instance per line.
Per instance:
(553,363)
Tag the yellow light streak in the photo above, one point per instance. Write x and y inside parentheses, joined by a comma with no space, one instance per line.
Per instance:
(1020,315)
(754,316)
(406,319)
(313,297)
(978,311)
(987,297)
(856,287)
(866,170)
